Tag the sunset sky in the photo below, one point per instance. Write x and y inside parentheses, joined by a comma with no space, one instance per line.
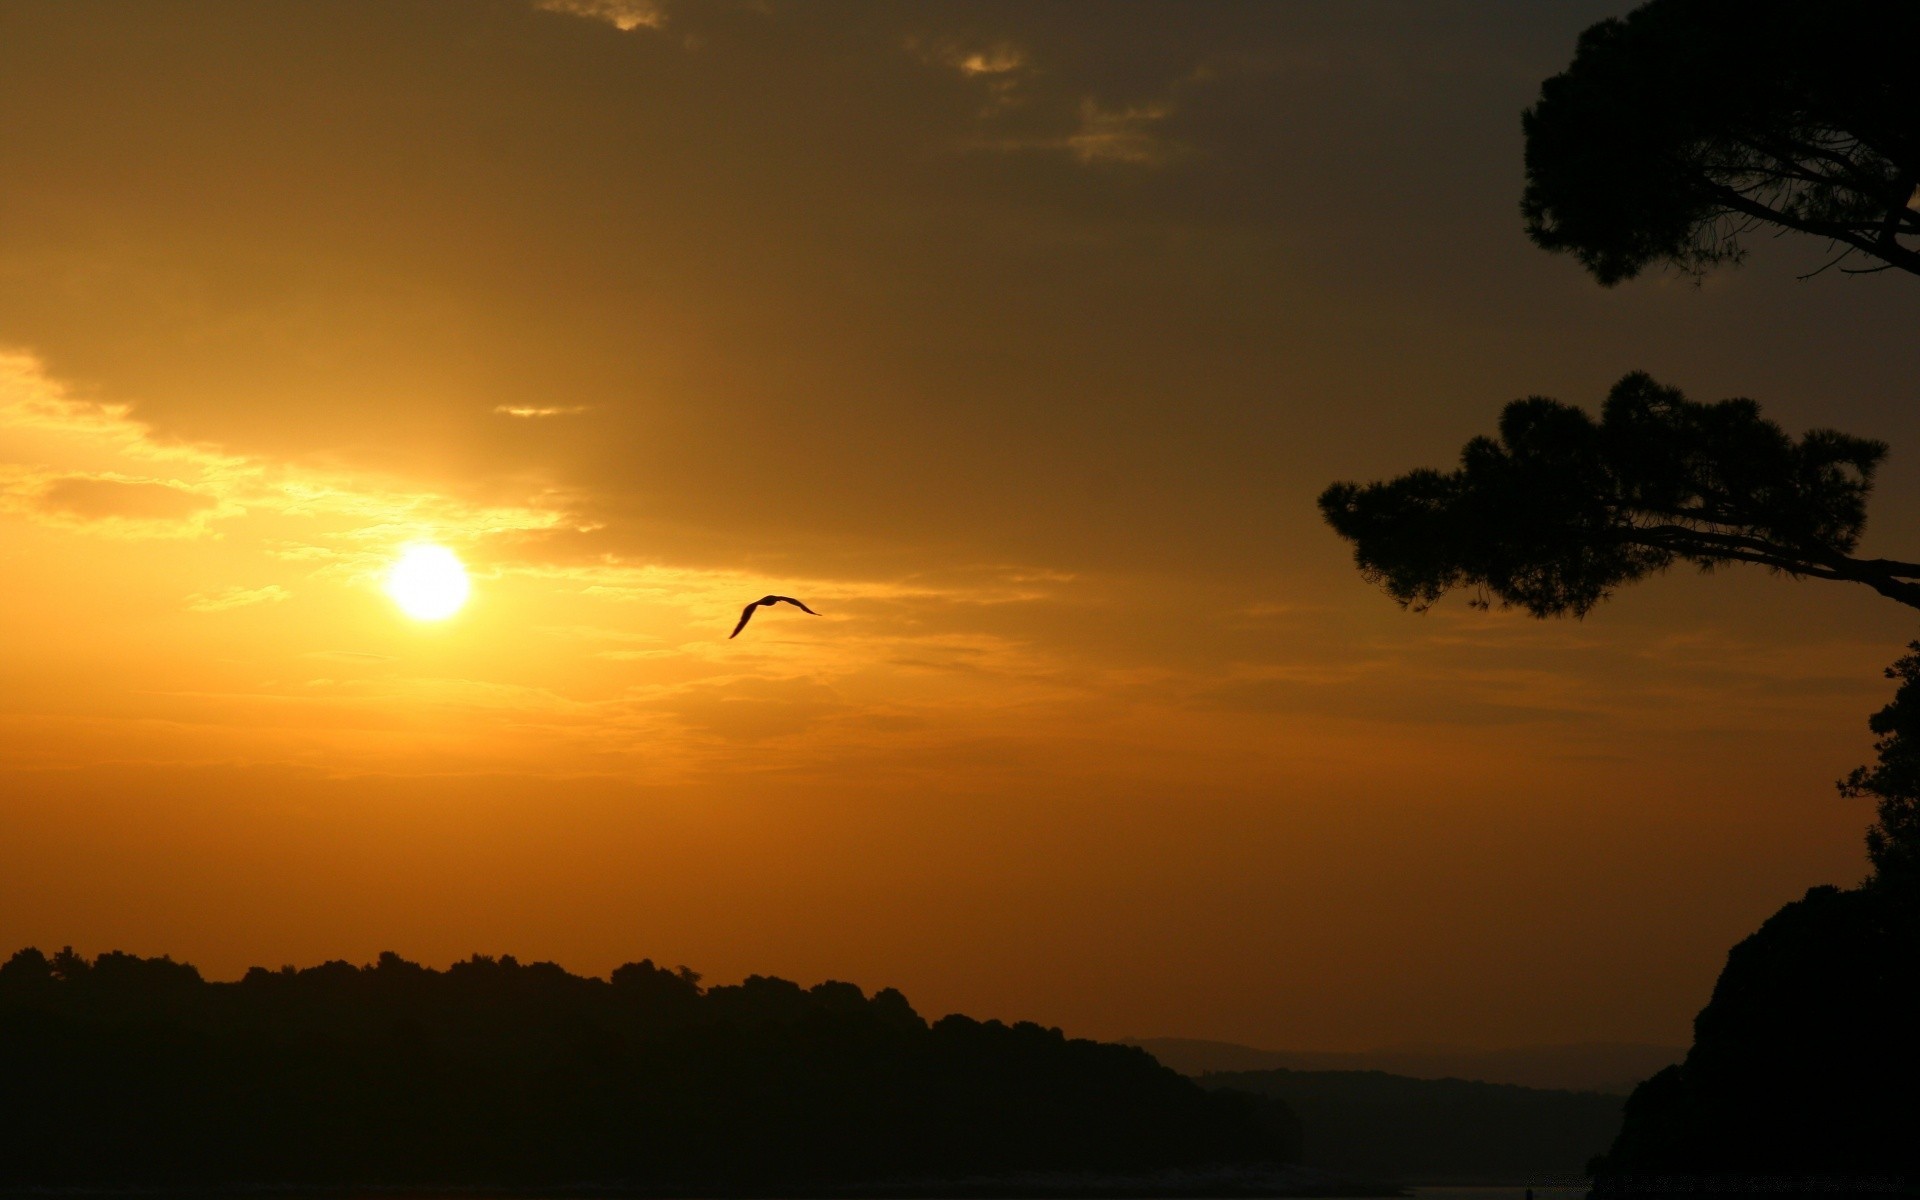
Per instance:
(1017,339)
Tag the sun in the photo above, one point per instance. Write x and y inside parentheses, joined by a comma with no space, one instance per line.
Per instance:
(428,582)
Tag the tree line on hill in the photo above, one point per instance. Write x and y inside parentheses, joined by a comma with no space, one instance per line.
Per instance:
(124,1071)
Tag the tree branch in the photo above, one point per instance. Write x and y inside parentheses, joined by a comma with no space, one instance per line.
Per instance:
(1901,256)
(1889,577)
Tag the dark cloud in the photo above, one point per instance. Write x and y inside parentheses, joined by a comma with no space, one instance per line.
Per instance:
(92,498)
(825,290)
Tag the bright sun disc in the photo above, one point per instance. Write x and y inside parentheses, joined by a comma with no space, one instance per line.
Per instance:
(428,583)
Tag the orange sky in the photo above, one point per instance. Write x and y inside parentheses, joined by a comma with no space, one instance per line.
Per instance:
(1017,339)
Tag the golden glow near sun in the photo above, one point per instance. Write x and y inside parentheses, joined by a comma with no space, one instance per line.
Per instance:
(428,582)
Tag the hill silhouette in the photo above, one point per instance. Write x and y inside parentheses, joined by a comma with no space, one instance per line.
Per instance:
(1612,1067)
(136,1072)
(1803,1068)
(1436,1131)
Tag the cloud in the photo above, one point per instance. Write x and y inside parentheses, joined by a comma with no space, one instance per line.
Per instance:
(974,61)
(996,60)
(96,498)
(1103,135)
(624,15)
(107,504)
(752,709)
(77,463)
(1094,133)
(1125,135)
(220,601)
(517,410)
(1001,68)
(1128,136)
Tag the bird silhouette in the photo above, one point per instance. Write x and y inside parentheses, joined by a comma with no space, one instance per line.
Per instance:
(746,614)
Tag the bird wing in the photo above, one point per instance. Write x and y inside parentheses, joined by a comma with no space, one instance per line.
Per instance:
(746,614)
(797,604)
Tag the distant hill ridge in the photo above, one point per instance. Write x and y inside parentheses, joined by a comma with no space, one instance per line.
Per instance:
(1436,1131)
(1611,1067)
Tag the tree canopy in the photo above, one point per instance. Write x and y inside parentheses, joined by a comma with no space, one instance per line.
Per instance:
(1893,783)
(1687,124)
(1560,509)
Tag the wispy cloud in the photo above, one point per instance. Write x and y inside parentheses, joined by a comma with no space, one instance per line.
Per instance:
(109,503)
(221,601)
(1123,135)
(354,656)
(1001,59)
(1132,136)
(973,60)
(624,15)
(1026,115)
(1002,69)
(521,410)
(81,464)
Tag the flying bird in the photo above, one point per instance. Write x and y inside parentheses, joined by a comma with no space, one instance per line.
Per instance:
(746,614)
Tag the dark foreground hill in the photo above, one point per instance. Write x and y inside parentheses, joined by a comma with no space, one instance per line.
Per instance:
(1436,1130)
(137,1072)
(1804,1075)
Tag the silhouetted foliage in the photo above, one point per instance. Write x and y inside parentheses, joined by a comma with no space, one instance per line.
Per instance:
(1893,840)
(126,1071)
(1802,1073)
(1560,509)
(1803,1063)
(1387,1126)
(1687,124)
